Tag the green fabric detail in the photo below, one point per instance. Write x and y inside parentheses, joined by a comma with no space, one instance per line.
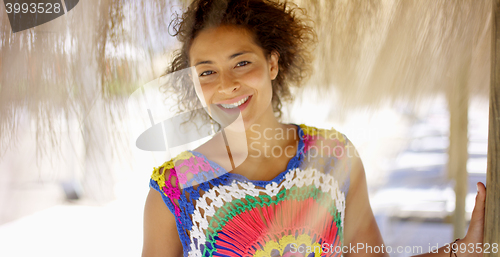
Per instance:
(231,209)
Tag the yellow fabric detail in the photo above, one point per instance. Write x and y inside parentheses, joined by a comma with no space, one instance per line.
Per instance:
(159,174)
(268,248)
(183,156)
(286,240)
(325,133)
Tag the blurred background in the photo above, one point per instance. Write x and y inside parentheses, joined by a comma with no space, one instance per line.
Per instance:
(406,81)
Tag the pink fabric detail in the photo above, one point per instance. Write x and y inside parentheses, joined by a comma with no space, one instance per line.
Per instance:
(339,151)
(173,192)
(333,146)
(309,141)
(193,167)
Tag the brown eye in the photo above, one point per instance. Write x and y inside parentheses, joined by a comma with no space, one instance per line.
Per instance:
(243,63)
(206,73)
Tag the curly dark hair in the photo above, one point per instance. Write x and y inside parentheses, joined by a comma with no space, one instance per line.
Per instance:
(276,26)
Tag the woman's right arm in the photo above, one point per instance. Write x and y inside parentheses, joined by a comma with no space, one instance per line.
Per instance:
(160,231)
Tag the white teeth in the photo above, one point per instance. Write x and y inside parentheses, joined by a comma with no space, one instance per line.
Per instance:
(234,105)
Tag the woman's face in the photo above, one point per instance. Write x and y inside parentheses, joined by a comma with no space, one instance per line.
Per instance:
(234,72)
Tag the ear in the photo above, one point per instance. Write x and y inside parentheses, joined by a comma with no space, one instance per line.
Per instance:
(273,58)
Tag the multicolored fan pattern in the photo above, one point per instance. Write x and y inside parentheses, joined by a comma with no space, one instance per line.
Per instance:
(302,208)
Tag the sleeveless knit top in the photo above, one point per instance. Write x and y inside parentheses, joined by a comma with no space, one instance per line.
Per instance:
(225,214)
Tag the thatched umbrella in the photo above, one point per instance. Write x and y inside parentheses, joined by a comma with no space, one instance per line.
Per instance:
(369,51)
(79,67)
(377,51)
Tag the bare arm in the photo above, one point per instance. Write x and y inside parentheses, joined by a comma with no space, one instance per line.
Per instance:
(360,226)
(160,231)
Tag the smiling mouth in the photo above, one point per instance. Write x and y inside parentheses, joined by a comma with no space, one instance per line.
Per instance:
(235,105)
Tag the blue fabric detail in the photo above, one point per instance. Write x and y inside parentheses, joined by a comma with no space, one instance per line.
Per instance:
(227,177)
(180,227)
(224,248)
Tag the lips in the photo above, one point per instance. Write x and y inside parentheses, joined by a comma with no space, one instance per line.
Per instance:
(234,107)
(236,104)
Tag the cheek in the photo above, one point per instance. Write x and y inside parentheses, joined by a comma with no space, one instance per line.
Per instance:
(259,79)
(205,93)
(208,93)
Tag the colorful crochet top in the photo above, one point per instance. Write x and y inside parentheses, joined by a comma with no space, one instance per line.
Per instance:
(226,214)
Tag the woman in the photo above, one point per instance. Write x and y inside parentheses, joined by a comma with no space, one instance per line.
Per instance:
(284,190)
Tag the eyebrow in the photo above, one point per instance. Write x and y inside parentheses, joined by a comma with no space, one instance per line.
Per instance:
(230,57)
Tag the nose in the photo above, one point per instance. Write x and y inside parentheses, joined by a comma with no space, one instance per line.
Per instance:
(228,84)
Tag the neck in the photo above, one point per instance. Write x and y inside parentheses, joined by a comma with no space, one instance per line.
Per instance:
(267,140)
(267,134)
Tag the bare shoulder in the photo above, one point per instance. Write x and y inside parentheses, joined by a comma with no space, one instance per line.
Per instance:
(360,224)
